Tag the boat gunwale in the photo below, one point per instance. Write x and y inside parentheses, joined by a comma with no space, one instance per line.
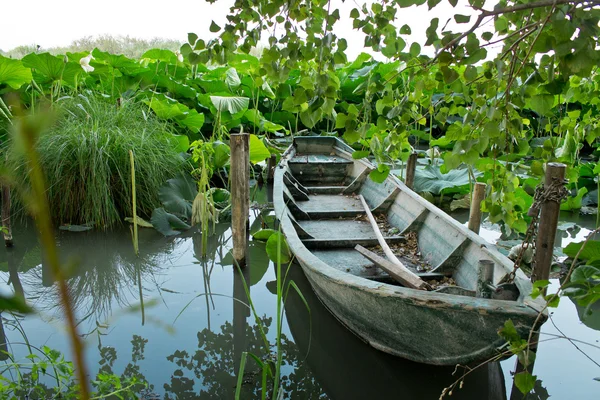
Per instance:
(524,305)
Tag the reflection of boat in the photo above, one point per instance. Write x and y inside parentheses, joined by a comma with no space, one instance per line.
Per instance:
(313,197)
(348,368)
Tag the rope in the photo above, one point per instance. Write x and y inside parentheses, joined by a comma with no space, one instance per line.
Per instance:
(555,192)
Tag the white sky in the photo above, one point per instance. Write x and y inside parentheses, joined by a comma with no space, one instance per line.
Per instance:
(51,23)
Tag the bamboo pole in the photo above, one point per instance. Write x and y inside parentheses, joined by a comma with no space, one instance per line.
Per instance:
(475,211)
(7,231)
(411,167)
(409,275)
(240,194)
(544,244)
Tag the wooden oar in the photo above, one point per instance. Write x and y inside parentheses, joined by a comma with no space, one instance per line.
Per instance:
(394,266)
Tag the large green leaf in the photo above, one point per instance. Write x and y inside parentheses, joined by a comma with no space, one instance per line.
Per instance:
(430,179)
(256,118)
(221,154)
(49,68)
(178,194)
(13,73)
(542,103)
(170,109)
(574,203)
(116,61)
(590,252)
(161,55)
(235,106)
(232,79)
(258,150)
(277,242)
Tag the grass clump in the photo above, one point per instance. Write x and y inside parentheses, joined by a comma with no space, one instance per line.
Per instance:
(85,158)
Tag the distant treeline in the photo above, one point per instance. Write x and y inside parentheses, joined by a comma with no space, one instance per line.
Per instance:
(129,46)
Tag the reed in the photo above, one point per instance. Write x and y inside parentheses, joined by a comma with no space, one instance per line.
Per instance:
(85,158)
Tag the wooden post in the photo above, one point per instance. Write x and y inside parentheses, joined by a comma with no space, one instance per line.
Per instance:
(475,212)
(240,194)
(271,162)
(411,167)
(544,244)
(8,238)
(485,276)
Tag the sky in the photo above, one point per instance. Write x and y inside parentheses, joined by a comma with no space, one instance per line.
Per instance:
(52,23)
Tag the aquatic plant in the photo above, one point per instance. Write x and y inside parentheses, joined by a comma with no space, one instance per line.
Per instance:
(85,158)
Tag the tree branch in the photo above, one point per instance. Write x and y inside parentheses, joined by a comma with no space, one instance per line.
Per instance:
(507,10)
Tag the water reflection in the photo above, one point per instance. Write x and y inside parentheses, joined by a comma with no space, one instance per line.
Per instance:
(198,357)
(102,269)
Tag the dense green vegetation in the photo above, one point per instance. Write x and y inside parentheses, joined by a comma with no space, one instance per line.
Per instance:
(492,119)
(86,161)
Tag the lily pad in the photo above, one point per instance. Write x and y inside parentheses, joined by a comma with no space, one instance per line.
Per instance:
(167,223)
(277,241)
(75,228)
(177,196)
(430,179)
(140,222)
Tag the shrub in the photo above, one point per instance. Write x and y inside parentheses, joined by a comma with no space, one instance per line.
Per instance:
(85,157)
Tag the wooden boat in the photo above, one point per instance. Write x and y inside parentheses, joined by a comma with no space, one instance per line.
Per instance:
(315,198)
(347,368)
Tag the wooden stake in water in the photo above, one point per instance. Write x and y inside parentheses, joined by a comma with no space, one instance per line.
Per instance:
(485,276)
(133,205)
(240,194)
(544,244)
(271,162)
(475,212)
(411,167)
(6,225)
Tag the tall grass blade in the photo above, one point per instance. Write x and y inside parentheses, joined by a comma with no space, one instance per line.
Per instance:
(27,131)
(136,247)
(240,379)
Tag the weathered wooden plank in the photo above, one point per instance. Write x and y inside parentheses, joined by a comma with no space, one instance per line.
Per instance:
(401,272)
(385,204)
(331,203)
(348,243)
(357,182)
(302,234)
(402,275)
(336,189)
(291,204)
(296,189)
(449,263)
(339,229)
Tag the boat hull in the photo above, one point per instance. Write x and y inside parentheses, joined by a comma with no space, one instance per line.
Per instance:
(430,331)
(424,326)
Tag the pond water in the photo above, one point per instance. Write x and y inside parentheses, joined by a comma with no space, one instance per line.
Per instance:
(171,316)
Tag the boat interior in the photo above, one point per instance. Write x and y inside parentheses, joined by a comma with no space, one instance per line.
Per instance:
(321,184)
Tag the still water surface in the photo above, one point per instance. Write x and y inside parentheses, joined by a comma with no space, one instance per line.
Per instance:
(170,316)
